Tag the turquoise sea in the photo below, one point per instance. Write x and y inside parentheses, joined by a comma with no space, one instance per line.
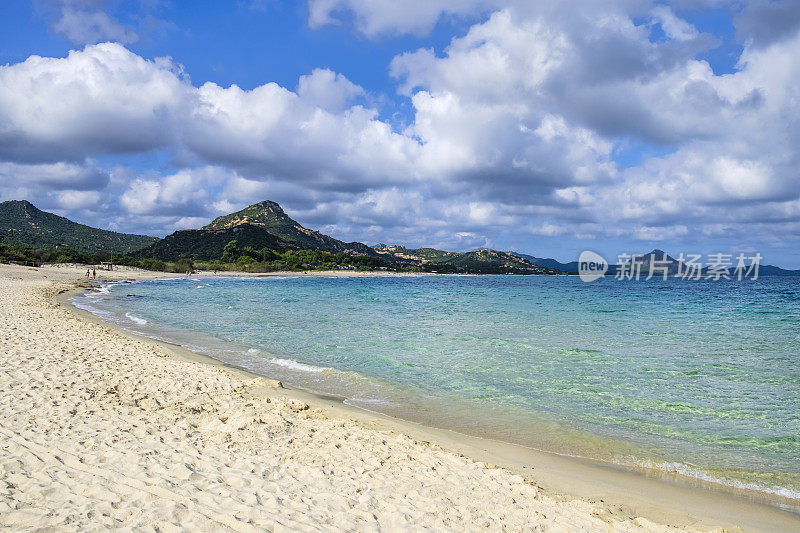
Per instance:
(694,378)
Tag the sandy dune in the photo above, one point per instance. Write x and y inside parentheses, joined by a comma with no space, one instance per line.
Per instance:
(100,430)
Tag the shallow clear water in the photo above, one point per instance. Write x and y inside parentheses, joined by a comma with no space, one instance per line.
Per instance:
(702,378)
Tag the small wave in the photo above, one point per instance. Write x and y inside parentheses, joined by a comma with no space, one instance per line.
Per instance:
(296,365)
(253,350)
(103,288)
(687,470)
(81,302)
(134,318)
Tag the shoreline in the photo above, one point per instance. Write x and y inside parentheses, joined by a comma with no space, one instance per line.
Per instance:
(615,492)
(650,494)
(482,440)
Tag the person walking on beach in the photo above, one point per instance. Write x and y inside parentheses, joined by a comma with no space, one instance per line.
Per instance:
(94,274)
(87,273)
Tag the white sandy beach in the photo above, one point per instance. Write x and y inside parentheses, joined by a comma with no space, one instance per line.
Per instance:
(101,430)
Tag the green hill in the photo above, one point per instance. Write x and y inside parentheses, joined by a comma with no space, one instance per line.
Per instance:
(261,234)
(209,244)
(261,226)
(480,261)
(271,217)
(22,223)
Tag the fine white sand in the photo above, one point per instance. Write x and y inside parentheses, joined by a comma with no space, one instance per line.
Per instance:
(99,430)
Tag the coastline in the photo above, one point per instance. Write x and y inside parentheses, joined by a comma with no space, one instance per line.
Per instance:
(612,494)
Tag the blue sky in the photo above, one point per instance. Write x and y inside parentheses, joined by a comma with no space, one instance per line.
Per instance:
(243,43)
(537,127)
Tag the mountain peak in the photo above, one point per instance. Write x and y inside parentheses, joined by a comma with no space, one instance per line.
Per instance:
(21,206)
(659,255)
(261,225)
(267,214)
(267,204)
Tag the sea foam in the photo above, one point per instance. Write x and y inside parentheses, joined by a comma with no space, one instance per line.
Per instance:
(136,319)
(296,365)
